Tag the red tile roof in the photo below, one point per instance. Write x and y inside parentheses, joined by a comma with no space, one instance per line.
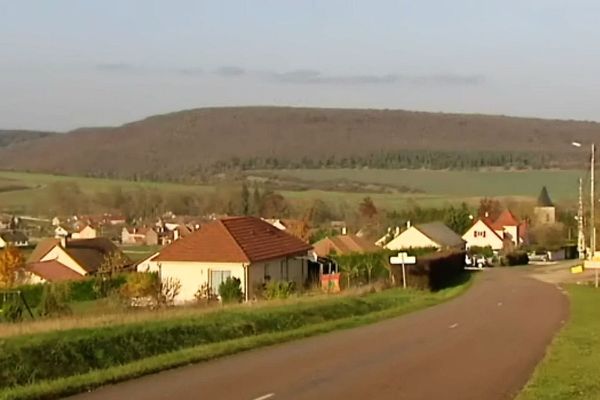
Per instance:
(53,271)
(506,218)
(236,239)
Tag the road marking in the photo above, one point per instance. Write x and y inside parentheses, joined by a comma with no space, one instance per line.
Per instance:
(265,397)
(453,325)
(499,304)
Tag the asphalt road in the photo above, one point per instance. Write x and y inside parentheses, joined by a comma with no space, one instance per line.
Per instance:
(482,345)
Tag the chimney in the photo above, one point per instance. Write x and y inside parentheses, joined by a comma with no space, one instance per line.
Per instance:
(176,234)
(487,214)
(397,231)
(63,241)
(344,230)
(408,224)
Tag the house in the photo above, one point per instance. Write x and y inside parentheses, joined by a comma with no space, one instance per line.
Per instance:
(544,210)
(61,232)
(246,248)
(84,256)
(139,236)
(13,238)
(483,234)
(84,231)
(431,235)
(47,271)
(295,227)
(343,244)
(508,226)
(55,221)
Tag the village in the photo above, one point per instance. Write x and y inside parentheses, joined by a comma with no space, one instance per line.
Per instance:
(196,258)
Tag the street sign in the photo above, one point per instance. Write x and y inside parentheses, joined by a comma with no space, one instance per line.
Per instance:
(403,259)
(592,264)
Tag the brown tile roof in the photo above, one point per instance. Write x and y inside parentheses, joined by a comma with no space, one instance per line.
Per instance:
(53,271)
(506,218)
(344,244)
(236,239)
(90,253)
(42,248)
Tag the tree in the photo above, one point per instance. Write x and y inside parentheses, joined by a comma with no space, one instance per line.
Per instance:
(245,199)
(367,208)
(273,205)
(458,219)
(113,264)
(489,207)
(11,260)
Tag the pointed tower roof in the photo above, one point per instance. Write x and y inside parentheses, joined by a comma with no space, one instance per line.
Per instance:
(544,199)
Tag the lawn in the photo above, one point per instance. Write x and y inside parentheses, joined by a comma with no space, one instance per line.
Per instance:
(138,253)
(570,369)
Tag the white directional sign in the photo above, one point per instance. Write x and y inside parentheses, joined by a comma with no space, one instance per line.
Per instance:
(403,259)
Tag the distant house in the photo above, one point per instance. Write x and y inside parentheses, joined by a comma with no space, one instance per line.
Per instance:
(61,232)
(482,234)
(84,256)
(84,231)
(246,248)
(47,271)
(55,221)
(544,210)
(139,236)
(295,227)
(13,238)
(343,244)
(508,226)
(431,235)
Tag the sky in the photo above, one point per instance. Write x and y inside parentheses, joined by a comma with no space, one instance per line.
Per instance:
(70,63)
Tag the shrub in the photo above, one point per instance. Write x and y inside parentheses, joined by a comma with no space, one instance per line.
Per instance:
(54,300)
(12,310)
(231,290)
(486,251)
(515,258)
(279,290)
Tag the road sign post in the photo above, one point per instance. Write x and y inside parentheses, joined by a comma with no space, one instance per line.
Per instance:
(403,259)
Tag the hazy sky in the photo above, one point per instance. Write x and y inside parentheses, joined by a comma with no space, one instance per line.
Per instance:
(65,64)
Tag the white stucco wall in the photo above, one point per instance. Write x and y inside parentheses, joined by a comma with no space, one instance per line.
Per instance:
(57,253)
(86,233)
(475,237)
(192,275)
(411,238)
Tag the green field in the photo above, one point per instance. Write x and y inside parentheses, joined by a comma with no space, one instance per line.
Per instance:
(438,187)
(570,369)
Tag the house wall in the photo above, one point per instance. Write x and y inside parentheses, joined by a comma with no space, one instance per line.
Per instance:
(284,269)
(192,275)
(151,238)
(59,254)
(2,243)
(86,233)
(411,238)
(480,235)
(513,231)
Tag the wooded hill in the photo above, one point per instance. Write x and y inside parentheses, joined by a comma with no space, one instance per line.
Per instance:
(10,137)
(194,144)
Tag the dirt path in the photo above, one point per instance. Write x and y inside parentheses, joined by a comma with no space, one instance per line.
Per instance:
(482,345)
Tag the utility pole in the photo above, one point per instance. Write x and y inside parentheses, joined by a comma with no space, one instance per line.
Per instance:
(592,204)
(580,224)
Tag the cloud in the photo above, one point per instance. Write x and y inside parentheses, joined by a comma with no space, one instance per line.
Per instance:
(116,67)
(193,71)
(310,76)
(230,71)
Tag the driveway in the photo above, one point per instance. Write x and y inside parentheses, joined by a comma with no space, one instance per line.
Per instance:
(482,345)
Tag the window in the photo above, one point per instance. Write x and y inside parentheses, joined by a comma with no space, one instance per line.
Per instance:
(218,277)
(479,234)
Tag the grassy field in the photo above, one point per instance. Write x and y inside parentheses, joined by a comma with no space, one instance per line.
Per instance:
(571,367)
(138,253)
(194,338)
(439,187)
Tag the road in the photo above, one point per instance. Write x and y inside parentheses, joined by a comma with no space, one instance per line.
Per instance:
(482,345)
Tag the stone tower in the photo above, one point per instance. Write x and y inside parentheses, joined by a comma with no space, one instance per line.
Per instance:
(544,211)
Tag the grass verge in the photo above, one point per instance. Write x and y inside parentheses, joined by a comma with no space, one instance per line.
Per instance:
(55,388)
(570,368)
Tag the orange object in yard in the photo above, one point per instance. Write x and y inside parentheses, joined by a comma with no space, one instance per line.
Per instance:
(330,283)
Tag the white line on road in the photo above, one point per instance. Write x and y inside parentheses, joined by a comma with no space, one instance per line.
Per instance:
(265,397)
(453,326)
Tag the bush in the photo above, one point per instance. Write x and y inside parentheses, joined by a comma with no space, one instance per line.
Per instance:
(279,290)
(54,300)
(433,272)
(34,358)
(486,251)
(12,310)
(515,258)
(231,291)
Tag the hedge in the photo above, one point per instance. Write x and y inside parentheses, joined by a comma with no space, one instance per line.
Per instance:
(31,359)
(79,291)
(433,271)
(515,258)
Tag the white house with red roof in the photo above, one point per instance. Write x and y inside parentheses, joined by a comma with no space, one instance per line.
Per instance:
(482,234)
(506,229)
(246,248)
